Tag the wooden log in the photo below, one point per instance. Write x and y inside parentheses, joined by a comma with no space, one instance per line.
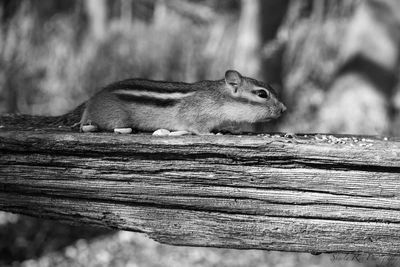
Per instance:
(316,193)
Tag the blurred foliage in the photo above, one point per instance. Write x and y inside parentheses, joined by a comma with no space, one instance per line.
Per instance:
(340,64)
(311,57)
(50,66)
(24,238)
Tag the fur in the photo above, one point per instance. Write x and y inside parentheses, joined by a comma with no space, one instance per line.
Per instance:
(195,107)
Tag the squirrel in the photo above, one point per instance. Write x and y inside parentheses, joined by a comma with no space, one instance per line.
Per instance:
(186,108)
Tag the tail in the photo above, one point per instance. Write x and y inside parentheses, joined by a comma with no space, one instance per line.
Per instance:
(24,121)
(71,119)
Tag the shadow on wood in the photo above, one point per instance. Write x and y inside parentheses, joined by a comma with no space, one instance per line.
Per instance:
(315,193)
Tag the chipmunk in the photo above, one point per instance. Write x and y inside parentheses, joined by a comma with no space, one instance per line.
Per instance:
(187,108)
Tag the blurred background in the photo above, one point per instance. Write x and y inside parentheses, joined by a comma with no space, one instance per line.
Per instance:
(335,64)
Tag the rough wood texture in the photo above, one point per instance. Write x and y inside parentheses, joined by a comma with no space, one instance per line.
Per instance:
(295,193)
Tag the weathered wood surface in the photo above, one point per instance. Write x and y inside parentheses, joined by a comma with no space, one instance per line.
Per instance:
(305,194)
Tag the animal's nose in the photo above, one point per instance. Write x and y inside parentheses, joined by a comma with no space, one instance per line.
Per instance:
(283,107)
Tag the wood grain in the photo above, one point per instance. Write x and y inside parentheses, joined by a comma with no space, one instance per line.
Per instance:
(318,193)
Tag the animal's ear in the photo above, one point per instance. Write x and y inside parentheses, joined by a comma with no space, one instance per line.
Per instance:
(233,79)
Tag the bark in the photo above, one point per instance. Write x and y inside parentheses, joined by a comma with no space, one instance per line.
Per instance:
(313,193)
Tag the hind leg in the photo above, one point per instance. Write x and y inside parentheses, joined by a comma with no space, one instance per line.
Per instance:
(86,125)
(121,124)
(105,114)
(91,127)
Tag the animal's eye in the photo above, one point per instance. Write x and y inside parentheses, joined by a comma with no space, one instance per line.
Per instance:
(233,84)
(262,94)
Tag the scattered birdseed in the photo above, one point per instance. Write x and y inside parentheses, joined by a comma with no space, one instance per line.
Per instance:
(290,135)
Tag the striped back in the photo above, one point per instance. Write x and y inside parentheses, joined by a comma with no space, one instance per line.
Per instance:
(159,93)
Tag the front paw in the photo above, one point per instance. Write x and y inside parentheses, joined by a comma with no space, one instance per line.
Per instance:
(161,132)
